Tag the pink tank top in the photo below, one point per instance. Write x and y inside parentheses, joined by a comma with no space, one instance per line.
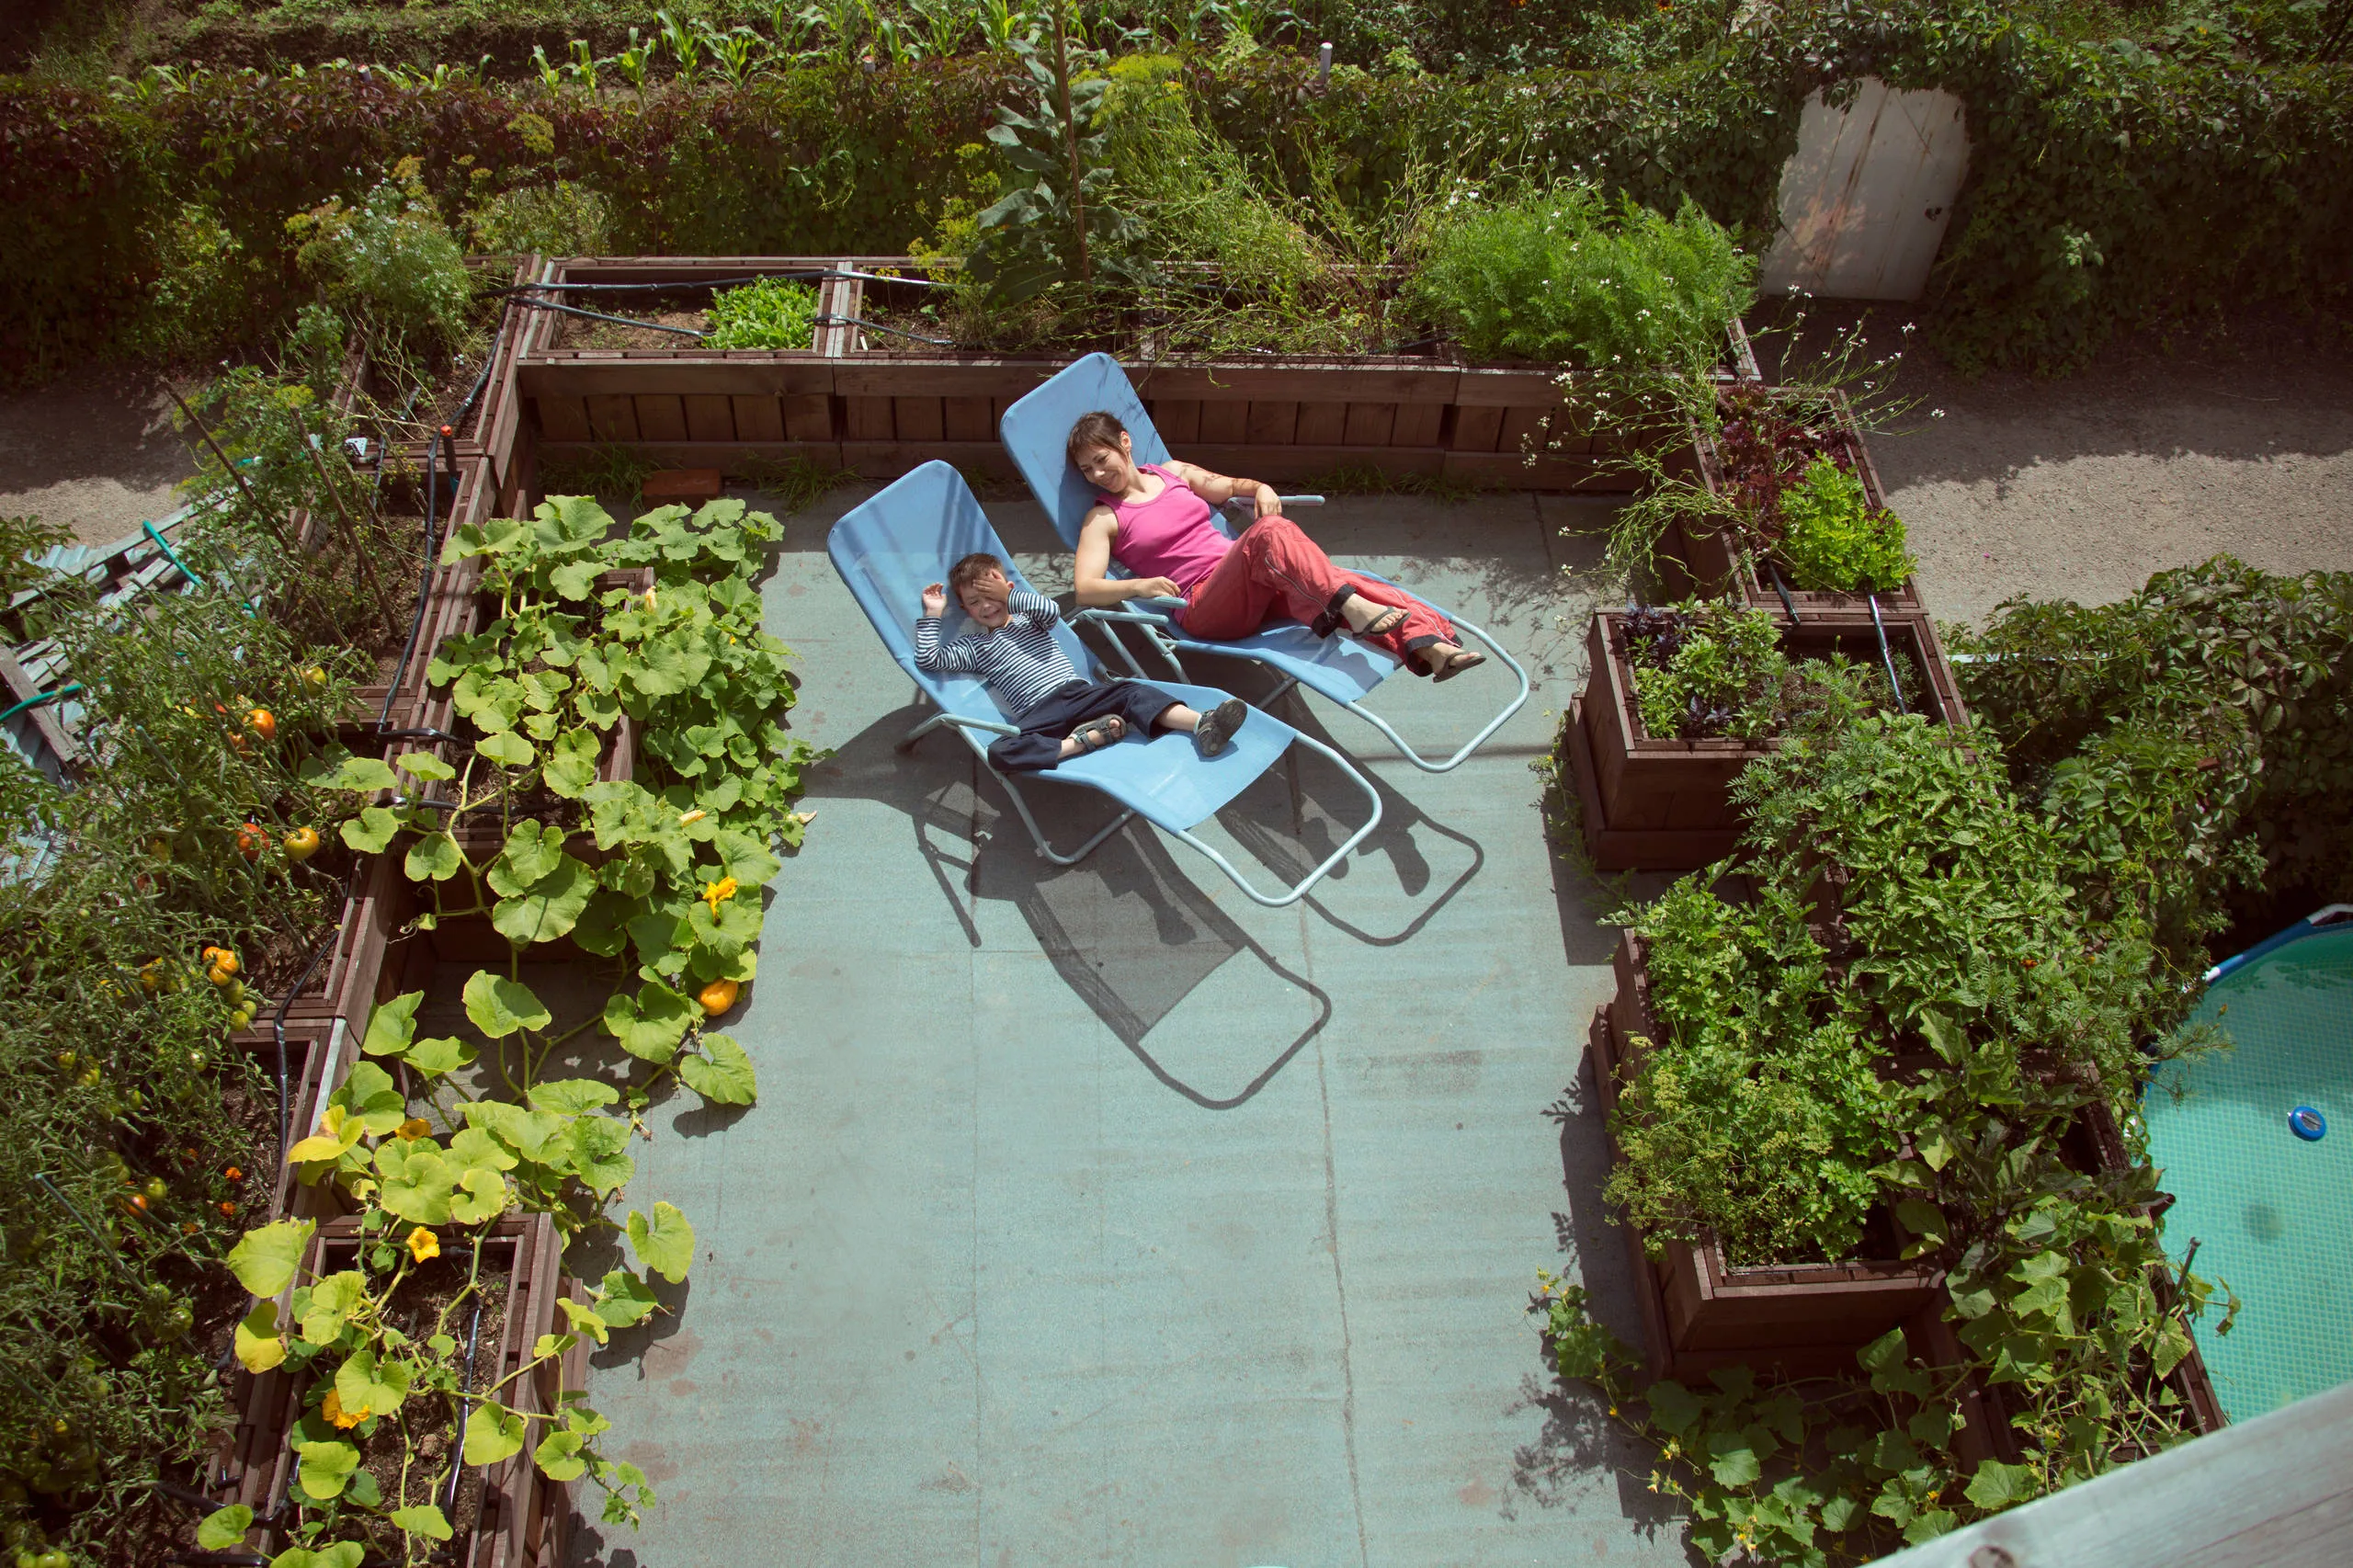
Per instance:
(1169,535)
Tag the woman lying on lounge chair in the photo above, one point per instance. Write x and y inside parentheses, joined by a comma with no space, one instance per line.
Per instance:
(1155,520)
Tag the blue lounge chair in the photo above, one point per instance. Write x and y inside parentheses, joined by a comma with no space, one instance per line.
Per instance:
(1036,430)
(888,548)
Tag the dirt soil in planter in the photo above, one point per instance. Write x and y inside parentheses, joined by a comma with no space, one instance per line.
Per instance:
(579,331)
(427,1292)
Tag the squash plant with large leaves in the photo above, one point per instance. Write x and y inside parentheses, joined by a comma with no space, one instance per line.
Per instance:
(660,874)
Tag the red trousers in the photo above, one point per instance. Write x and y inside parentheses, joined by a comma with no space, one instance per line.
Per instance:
(1274,572)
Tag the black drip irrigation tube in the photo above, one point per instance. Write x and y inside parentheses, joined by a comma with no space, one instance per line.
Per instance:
(877,327)
(432,506)
(1783,589)
(278,1027)
(465,1398)
(1887,655)
(599,315)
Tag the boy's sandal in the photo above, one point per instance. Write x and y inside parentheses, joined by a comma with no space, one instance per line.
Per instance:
(1216,729)
(1463,659)
(1097,733)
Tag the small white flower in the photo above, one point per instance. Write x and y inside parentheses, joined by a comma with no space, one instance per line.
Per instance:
(1936,413)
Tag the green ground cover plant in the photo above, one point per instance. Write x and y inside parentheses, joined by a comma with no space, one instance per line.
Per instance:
(2204,724)
(1832,538)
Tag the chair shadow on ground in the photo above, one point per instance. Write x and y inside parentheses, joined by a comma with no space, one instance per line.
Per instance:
(1126,929)
(1292,819)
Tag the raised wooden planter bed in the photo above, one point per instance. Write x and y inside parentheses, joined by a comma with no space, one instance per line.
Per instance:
(1713,560)
(351,980)
(878,411)
(522,1517)
(1699,1310)
(1664,804)
(451,611)
(319,1054)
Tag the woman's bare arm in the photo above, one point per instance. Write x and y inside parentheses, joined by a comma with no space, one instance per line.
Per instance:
(1217,489)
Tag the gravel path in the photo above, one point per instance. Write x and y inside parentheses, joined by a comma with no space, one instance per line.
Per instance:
(94,450)
(2080,488)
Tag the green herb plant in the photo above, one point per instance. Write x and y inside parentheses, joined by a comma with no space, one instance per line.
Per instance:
(1564,277)
(1908,964)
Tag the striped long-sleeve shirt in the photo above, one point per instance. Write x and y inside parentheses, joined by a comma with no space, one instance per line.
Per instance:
(1020,661)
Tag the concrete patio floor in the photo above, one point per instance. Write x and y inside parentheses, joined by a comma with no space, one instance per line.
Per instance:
(1099,1215)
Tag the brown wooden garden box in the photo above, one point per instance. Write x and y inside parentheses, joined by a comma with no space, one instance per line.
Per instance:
(1664,804)
(1699,1310)
(1713,559)
(850,402)
(524,1515)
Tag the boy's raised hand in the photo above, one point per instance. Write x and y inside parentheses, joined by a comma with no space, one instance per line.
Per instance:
(934,600)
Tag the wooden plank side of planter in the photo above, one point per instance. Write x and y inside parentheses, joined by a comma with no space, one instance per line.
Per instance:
(1277,380)
(1326,424)
(711,417)
(900,375)
(563,418)
(1418,424)
(1178,419)
(1271,424)
(967,418)
(661,416)
(888,459)
(1477,428)
(1368,424)
(763,372)
(612,416)
(1286,465)
(868,419)
(1225,421)
(759,418)
(919,419)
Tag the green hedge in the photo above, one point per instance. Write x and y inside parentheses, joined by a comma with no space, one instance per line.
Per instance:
(2110,187)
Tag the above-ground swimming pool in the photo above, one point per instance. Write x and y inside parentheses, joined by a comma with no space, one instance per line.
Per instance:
(2269,1205)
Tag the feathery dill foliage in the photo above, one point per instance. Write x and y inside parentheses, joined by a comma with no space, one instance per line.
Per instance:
(1565,276)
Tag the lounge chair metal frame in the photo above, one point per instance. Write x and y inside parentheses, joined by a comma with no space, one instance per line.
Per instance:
(965,706)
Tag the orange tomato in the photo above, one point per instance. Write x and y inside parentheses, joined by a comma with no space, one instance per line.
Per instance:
(717,997)
(250,838)
(263,722)
(302,843)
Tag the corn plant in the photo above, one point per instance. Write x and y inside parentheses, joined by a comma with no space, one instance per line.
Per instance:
(736,52)
(684,42)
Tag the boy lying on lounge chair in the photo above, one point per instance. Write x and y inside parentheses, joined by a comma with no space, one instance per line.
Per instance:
(1060,713)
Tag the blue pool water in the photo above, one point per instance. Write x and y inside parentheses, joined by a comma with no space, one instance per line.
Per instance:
(2272,1212)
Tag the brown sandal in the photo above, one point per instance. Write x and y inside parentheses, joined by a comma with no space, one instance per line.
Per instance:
(1461,660)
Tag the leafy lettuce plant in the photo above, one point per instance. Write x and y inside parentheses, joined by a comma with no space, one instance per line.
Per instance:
(774,312)
(1832,538)
(1703,668)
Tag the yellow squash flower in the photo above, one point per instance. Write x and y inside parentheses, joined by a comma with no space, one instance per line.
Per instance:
(718,892)
(333,1411)
(414,1127)
(423,1244)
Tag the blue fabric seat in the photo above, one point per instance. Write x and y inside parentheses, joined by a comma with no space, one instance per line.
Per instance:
(1036,431)
(888,548)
